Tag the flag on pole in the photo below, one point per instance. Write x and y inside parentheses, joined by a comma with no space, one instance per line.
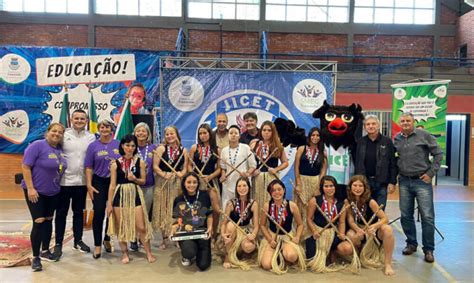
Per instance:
(64,116)
(125,124)
(92,116)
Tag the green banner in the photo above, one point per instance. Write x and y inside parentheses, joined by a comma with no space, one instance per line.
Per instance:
(427,100)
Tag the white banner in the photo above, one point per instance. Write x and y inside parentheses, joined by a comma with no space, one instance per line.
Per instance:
(85,69)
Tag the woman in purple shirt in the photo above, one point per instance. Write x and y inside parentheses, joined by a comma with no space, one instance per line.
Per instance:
(43,166)
(99,156)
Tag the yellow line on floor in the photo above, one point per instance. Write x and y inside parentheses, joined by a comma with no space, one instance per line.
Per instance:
(438,267)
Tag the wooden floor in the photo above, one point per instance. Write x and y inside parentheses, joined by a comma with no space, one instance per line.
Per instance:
(454,208)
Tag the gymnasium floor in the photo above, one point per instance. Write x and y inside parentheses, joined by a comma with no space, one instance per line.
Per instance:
(454,256)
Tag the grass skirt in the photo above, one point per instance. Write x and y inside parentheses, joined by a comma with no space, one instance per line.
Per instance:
(127,226)
(317,264)
(309,188)
(163,199)
(235,248)
(279,265)
(259,188)
(372,256)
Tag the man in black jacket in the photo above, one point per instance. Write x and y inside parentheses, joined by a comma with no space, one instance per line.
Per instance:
(375,159)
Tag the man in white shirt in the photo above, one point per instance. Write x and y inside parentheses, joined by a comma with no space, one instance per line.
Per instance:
(73,182)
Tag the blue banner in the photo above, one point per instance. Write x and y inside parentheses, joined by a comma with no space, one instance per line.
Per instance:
(33,81)
(193,97)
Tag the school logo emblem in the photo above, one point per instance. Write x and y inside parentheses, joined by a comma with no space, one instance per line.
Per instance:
(309,95)
(14,126)
(14,69)
(186,93)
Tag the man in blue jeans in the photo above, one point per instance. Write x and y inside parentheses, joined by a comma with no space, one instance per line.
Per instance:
(414,147)
(375,159)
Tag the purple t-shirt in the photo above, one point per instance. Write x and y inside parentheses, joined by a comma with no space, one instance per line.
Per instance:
(99,155)
(146,154)
(47,166)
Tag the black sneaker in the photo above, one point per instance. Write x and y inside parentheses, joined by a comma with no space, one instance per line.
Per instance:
(134,246)
(36,264)
(58,251)
(82,247)
(48,256)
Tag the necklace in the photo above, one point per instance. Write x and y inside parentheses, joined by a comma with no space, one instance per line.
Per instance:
(311,155)
(194,204)
(204,153)
(360,213)
(242,212)
(126,165)
(281,216)
(172,154)
(264,150)
(144,157)
(330,211)
(233,159)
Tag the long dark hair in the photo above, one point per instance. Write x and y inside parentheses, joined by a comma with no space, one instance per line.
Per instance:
(126,139)
(212,138)
(273,183)
(246,180)
(328,178)
(320,145)
(183,180)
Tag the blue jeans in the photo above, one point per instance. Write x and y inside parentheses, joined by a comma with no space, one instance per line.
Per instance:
(378,192)
(411,189)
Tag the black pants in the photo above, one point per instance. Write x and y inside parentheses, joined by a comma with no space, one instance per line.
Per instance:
(199,249)
(76,195)
(100,203)
(40,235)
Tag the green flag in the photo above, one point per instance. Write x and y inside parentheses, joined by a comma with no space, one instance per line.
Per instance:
(125,124)
(64,117)
(92,116)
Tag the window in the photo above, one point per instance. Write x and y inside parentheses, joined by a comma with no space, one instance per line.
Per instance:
(224,9)
(335,11)
(46,6)
(166,8)
(420,12)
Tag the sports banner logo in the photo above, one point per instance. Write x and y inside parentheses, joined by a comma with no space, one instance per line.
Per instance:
(192,97)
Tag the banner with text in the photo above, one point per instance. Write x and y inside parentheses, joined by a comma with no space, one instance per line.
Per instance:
(427,101)
(33,81)
(192,97)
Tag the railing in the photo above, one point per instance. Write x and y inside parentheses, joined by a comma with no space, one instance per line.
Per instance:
(375,74)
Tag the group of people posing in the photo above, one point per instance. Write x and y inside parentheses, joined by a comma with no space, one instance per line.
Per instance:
(230,184)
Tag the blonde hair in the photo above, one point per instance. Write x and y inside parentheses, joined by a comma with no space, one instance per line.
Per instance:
(172,127)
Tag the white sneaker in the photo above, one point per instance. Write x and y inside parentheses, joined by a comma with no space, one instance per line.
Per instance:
(185,262)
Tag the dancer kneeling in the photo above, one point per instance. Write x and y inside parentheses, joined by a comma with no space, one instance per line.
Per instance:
(193,212)
(326,220)
(126,199)
(235,229)
(281,245)
(365,211)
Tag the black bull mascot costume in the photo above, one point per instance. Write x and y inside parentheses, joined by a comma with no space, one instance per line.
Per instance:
(339,127)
